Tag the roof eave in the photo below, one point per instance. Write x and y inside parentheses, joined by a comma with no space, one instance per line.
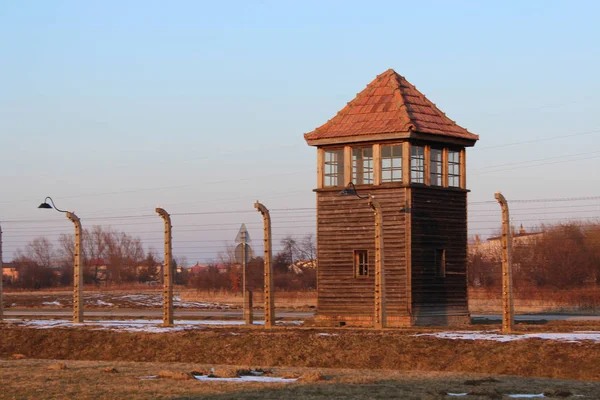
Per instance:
(429,137)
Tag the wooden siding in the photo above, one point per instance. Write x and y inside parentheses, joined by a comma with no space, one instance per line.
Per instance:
(439,221)
(345,224)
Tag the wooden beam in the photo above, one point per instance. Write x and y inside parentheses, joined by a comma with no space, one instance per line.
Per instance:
(463,169)
(320,167)
(377,164)
(445,167)
(406,162)
(427,165)
(347,165)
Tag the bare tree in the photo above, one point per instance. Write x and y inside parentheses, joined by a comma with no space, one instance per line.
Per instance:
(41,251)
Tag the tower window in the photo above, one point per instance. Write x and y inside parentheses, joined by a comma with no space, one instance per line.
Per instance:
(417,164)
(435,167)
(362,165)
(391,163)
(333,170)
(453,168)
(361,263)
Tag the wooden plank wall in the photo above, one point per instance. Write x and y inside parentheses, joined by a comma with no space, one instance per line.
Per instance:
(345,224)
(439,221)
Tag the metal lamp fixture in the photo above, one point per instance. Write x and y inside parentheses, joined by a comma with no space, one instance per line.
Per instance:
(350,190)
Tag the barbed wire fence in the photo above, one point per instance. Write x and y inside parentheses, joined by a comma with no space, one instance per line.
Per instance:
(197,237)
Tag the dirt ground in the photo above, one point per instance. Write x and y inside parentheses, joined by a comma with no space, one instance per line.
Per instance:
(52,379)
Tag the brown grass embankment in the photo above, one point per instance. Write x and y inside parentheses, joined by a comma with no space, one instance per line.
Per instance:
(293,347)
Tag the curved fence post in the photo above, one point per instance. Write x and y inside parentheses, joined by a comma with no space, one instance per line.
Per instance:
(167,270)
(269,299)
(77,272)
(379,317)
(508,312)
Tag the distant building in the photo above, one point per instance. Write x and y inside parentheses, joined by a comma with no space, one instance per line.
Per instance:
(10,272)
(492,247)
(198,268)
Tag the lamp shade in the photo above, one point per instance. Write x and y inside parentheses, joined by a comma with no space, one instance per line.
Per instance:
(348,192)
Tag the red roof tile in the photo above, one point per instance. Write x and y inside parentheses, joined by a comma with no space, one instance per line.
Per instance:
(389,104)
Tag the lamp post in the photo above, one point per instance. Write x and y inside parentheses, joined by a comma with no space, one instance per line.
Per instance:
(379,312)
(77,273)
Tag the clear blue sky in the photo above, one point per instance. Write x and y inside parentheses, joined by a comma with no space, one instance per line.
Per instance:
(114,107)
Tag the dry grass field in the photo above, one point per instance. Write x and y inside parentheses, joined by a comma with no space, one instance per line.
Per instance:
(145,297)
(287,300)
(481,301)
(52,379)
(537,300)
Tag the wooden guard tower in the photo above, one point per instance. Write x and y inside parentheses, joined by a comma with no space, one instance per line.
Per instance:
(393,144)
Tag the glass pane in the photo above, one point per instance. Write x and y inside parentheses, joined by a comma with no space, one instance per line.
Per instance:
(391,163)
(386,151)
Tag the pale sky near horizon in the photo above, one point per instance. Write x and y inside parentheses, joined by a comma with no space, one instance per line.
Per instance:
(113,108)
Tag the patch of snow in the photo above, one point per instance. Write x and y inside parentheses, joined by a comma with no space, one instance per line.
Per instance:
(572,337)
(327,334)
(525,396)
(51,303)
(247,378)
(137,325)
(103,303)
(457,394)
(289,323)
(149,377)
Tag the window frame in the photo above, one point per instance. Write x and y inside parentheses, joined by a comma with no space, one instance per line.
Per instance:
(439,171)
(361,265)
(454,167)
(338,165)
(391,169)
(418,167)
(368,177)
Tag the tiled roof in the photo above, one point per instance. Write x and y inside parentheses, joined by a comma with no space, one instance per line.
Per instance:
(389,104)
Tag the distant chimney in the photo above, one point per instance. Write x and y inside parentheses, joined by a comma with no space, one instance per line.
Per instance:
(477,239)
(521,230)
